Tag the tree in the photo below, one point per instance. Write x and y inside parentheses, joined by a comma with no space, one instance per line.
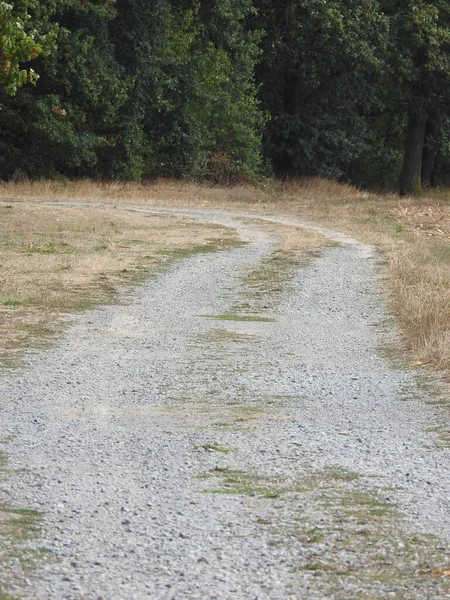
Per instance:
(69,119)
(420,59)
(21,40)
(193,93)
(319,64)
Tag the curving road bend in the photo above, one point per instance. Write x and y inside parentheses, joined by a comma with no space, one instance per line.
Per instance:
(178,455)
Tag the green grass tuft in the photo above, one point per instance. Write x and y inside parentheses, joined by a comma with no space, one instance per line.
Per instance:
(215,448)
(12,303)
(245,318)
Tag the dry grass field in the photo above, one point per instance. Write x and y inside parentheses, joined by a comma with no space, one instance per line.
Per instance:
(86,251)
(55,260)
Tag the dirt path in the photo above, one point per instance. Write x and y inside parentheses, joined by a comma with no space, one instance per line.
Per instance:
(226,435)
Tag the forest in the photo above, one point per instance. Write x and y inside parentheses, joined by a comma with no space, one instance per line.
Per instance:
(227,90)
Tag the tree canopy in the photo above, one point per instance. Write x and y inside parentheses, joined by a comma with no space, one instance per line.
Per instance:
(227,90)
(22,39)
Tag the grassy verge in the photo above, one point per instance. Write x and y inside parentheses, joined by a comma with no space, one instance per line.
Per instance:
(55,260)
(414,236)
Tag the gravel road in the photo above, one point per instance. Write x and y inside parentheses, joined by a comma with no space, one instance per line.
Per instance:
(179,448)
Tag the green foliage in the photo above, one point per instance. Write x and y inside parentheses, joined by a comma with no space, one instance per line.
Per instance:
(320,61)
(193,94)
(219,118)
(217,89)
(65,122)
(379,166)
(419,80)
(22,38)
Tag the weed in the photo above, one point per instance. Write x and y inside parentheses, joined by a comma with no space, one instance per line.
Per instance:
(50,249)
(221,470)
(17,527)
(364,499)
(244,490)
(225,335)
(12,303)
(215,448)
(340,474)
(245,484)
(316,567)
(20,511)
(244,318)
(202,476)
(314,535)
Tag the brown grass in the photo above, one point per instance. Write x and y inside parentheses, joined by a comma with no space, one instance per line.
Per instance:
(56,259)
(293,241)
(413,235)
(432,220)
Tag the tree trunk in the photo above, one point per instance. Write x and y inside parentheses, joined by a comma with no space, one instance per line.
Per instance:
(429,156)
(412,165)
